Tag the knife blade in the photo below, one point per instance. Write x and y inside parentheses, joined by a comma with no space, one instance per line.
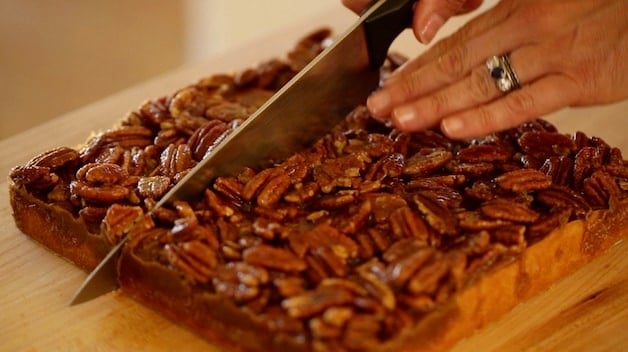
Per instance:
(305,109)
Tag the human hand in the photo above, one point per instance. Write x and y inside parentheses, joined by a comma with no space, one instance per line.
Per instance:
(429,15)
(564,52)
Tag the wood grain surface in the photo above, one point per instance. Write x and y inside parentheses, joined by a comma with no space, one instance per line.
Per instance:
(587,311)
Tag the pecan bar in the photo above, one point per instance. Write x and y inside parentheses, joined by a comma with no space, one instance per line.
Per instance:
(372,239)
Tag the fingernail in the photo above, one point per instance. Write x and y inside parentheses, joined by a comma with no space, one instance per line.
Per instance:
(394,77)
(378,101)
(452,126)
(433,24)
(404,117)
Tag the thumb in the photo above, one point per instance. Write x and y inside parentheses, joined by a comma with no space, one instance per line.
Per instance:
(431,15)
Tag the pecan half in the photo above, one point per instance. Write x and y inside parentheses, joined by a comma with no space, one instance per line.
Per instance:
(436,214)
(523,180)
(426,161)
(599,188)
(484,153)
(273,258)
(55,158)
(205,138)
(541,144)
(401,269)
(406,223)
(99,194)
(101,173)
(509,210)
(36,177)
(175,159)
(118,220)
(153,187)
(563,197)
(559,168)
(316,301)
(239,280)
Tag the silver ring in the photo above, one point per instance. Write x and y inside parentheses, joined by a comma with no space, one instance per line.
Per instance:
(500,69)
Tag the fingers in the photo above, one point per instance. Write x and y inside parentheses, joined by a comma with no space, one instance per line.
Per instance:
(558,64)
(541,97)
(473,28)
(452,66)
(430,15)
(475,89)
(470,5)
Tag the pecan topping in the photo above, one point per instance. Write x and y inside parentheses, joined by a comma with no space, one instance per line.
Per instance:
(55,158)
(559,168)
(205,138)
(426,160)
(194,265)
(585,162)
(175,159)
(523,180)
(37,177)
(474,221)
(153,187)
(549,222)
(228,111)
(190,101)
(100,194)
(484,153)
(118,220)
(599,188)
(125,137)
(508,210)
(406,223)
(273,258)
(541,144)
(273,190)
(437,215)
(153,112)
(401,269)
(103,173)
(426,280)
(563,197)
(316,301)
(240,280)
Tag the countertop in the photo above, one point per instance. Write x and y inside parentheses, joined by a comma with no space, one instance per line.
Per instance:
(586,311)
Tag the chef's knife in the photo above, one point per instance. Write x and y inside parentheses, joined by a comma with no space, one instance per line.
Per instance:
(307,107)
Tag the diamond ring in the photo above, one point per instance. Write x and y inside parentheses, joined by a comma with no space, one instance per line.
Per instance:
(501,71)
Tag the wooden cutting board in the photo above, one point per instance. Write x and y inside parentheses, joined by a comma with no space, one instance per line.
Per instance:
(586,311)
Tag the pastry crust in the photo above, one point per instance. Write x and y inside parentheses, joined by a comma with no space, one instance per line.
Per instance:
(57,229)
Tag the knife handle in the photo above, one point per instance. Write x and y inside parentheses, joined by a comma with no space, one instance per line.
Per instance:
(384,25)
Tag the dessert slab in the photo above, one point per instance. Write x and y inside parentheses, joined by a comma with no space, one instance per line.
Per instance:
(587,310)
